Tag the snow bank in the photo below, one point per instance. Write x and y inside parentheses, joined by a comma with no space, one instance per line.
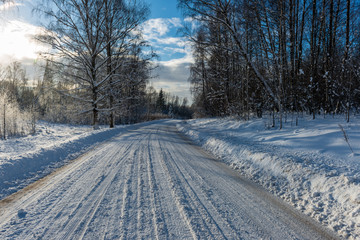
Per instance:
(310,166)
(24,160)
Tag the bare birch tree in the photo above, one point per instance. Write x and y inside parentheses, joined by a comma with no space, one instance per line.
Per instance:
(122,18)
(90,40)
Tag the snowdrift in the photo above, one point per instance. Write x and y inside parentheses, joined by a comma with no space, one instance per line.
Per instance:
(310,166)
(25,160)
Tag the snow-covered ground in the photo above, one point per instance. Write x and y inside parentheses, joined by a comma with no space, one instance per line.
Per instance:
(150,182)
(310,166)
(26,159)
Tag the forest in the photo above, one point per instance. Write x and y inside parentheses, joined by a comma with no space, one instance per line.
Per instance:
(96,72)
(278,58)
(22,104)
(275,57)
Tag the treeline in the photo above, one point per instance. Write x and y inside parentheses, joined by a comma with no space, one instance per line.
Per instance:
(24,101)
(280,56)
(95,72)
(61,102)
(135,103)
(164,105)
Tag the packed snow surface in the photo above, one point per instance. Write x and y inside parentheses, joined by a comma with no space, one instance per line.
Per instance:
(311,165)
(149,182)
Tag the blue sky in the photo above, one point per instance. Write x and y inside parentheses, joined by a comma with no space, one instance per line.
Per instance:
(161,30)
(18,24)
(164,9)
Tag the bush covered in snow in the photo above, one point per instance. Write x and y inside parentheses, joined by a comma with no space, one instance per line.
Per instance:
(13,120)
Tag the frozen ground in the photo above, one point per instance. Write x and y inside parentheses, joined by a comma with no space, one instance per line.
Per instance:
(148,182)
(310,166)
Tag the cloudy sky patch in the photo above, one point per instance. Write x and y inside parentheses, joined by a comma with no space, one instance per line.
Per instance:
(16,41)
(174,55)
(19,25)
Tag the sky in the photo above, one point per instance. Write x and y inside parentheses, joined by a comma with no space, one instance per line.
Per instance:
(161,30)
(19,24)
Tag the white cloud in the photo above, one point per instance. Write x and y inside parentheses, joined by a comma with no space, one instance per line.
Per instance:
(170,41)
(193,21)
(9,6)
(160,33)
(157,27)
(172,73)
(16,41)
(186,59)
(175,50)
(173,79)
(176,22)
(174,63)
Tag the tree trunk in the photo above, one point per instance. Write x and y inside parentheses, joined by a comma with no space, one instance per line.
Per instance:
(292,54)
(329,57)
(4,132)
(111,95)
(95,111)
(346,57)
(313,58)
(282,49)
(108,34)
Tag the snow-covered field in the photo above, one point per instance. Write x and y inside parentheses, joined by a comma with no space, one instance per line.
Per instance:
(26,159)
(310,166)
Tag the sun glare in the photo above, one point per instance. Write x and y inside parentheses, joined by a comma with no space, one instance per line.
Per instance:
(8,5)
(16,41)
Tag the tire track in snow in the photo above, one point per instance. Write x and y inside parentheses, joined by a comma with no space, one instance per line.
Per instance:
(36,192)
(228,215)
(216,203)
(32,191)
(54,199)
(103,219)
(141,207)
(219,203)
(89,204)
(71,217)
(124,156)
(124,213)
(170,222)
(149,183)
(160,227)
(265,215)
(146,228)
(248,206)
(207,197)
(199,219)
(127,216)
(135,209)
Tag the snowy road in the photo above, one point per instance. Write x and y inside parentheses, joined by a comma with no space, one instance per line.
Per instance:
(149,183)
